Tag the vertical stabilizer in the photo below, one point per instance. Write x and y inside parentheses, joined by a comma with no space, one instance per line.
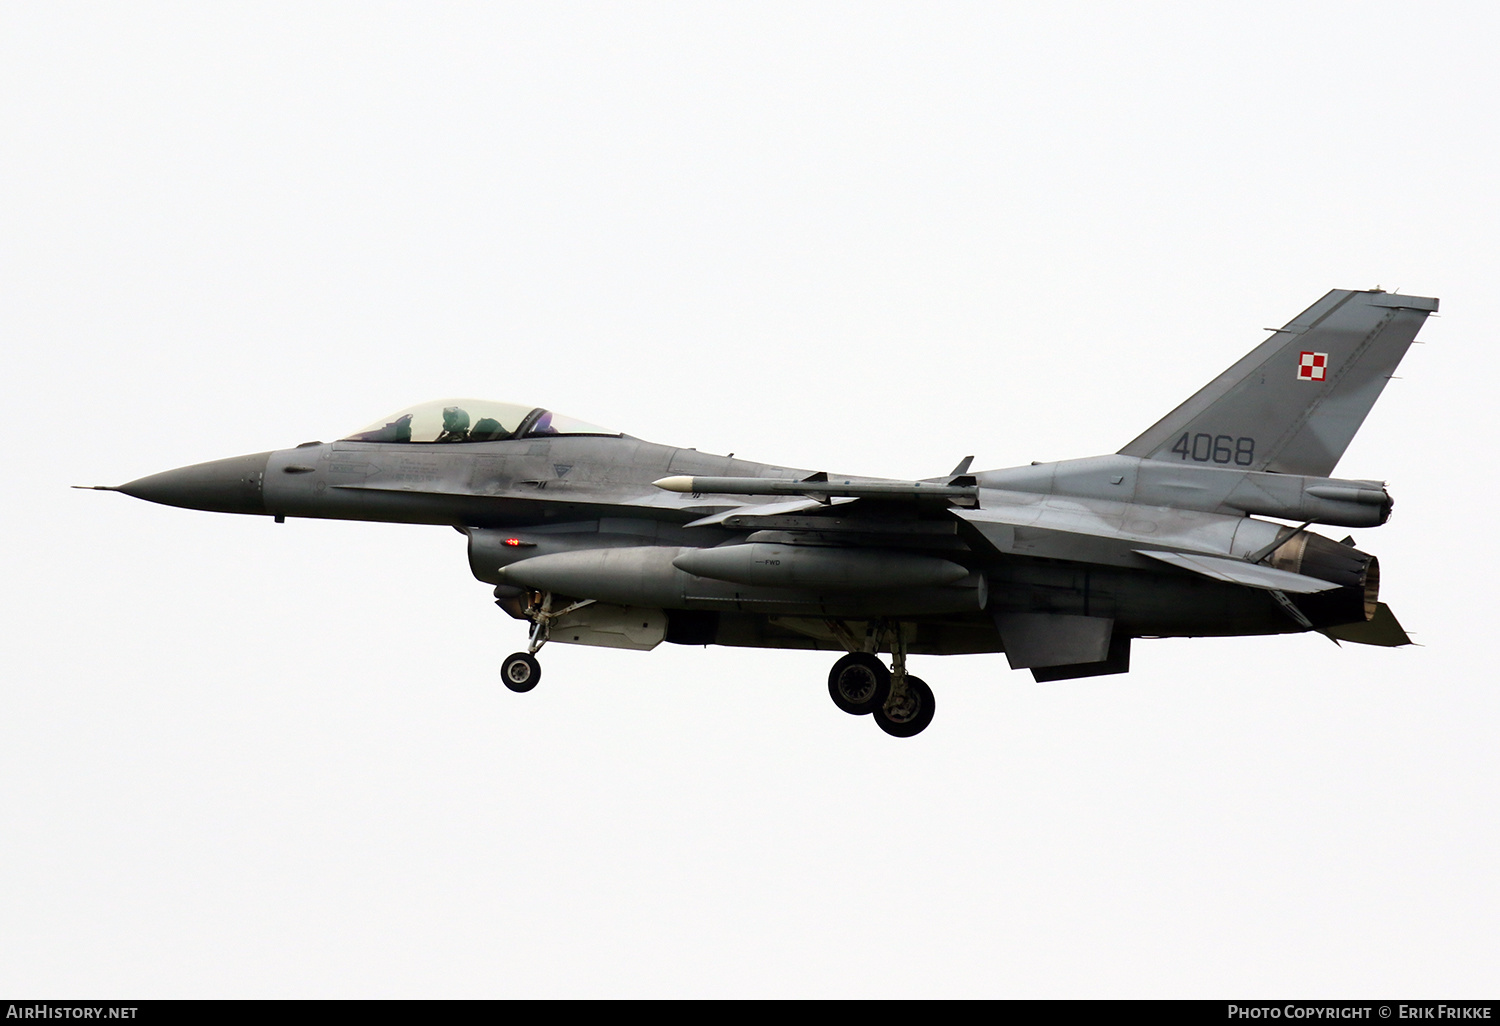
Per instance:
(1293,404)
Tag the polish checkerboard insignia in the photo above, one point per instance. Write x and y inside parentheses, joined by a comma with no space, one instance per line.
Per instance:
(1313,367)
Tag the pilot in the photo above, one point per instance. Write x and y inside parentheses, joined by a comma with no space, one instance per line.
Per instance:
(398,430)
(488,429)
(455,425)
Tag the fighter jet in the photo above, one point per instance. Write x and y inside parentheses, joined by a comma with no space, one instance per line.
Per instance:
(594,537)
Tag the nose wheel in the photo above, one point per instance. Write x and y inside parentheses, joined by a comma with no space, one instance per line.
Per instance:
(521,671)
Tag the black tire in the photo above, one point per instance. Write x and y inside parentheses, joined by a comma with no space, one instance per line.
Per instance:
(908,717)
(859,683)
(520,672)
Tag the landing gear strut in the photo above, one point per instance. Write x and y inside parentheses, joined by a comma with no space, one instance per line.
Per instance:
(860,684)
(521,671)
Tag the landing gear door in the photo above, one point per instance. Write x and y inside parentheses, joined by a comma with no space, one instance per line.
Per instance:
(612,627)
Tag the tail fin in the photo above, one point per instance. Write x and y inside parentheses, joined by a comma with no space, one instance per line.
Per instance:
(1293,404)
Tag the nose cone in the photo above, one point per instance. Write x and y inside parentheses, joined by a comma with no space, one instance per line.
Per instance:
(223,486)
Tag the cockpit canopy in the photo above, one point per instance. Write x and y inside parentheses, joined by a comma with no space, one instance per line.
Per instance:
(473,420)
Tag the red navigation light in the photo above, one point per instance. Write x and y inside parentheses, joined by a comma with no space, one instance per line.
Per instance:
(512,542)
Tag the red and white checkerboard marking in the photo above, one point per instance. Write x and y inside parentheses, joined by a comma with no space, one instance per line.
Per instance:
(1313,367)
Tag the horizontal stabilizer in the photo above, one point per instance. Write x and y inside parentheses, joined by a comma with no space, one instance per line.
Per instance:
(1382,629)
(1237,571)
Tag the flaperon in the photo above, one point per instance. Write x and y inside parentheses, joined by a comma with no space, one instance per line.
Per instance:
(597,538)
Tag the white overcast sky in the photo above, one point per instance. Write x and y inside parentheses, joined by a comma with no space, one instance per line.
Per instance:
(241,759)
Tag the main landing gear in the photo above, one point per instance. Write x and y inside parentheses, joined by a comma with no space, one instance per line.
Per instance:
(859,684)
(521,671)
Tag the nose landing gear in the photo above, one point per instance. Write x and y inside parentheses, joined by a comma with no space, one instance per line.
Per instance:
(521,671)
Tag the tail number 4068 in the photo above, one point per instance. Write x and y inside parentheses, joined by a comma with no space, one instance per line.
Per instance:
(1216,449)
